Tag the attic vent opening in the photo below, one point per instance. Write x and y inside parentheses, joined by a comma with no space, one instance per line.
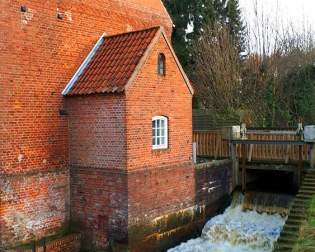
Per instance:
(161,64)
(23,8)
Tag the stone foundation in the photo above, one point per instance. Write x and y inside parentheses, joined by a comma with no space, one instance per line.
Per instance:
(170,230)
(67,243)
(148,209)
(99,205)
(33,205)
(180,216)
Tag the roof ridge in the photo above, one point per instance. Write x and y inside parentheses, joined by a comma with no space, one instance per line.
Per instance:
(131,32)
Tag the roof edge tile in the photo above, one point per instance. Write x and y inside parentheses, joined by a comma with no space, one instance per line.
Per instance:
(84,64)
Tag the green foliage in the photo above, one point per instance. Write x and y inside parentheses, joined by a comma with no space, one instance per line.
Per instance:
(180,12)
(233,19)
(303,102)
(306,240)
(197,14)
(275,100)
(298,87)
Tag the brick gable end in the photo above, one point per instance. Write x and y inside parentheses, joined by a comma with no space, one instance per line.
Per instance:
(149,95)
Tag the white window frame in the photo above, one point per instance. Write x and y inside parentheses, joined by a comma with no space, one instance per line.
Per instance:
(158,134)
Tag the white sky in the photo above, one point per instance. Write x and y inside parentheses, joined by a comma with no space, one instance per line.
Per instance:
(299,13)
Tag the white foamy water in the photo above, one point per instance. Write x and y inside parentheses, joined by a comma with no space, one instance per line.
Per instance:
(236,231)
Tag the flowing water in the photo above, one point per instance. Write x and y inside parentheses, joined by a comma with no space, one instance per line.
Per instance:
(252,223)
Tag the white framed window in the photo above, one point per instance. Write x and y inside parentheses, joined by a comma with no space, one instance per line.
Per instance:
(159,132)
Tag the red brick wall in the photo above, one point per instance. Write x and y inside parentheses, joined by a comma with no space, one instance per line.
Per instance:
(159,191)
(99,205)
(170,205)
(97,131)
(39,54)
(69,243)
(160,182)
(97,144)
(151,95)
(32,205)
(108,133)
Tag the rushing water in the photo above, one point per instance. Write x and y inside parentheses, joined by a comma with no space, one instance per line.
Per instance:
(240,230)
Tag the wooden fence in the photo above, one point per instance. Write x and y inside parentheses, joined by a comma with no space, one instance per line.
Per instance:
(211,144)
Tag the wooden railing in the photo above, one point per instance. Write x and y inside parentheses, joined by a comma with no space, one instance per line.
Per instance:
(211,144)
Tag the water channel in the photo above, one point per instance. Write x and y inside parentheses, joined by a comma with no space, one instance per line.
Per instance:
(252,223)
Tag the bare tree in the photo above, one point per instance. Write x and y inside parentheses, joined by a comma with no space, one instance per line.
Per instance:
(282,49)
(217,69)
(229,83)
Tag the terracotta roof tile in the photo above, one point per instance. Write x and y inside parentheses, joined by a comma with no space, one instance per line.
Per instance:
(113,63)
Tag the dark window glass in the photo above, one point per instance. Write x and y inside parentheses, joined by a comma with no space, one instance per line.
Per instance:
(161,64)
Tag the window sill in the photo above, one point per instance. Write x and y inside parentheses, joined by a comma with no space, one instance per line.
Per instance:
(160,147)
(158,150)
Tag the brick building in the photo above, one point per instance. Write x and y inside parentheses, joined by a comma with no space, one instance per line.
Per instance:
(110,151)
(132,85)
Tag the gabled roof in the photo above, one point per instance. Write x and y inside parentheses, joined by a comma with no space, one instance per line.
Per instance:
(114,61)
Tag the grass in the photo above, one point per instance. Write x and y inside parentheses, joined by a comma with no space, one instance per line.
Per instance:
(306,240)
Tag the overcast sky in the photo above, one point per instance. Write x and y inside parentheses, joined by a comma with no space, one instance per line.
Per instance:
(298,12)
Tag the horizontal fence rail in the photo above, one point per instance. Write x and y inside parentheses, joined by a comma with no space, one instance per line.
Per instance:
(210,143)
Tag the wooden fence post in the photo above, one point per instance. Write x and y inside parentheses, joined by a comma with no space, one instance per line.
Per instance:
(194,152)
(243,147)
(250,152)
(312,155)
(300,166)
(287,154)
(34,246)
(235,167)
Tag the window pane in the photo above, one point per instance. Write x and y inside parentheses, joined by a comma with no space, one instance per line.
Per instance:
(161,64)
(162,123)
(159,133)
(162,140)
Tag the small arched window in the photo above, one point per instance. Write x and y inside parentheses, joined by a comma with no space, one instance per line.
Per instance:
(159,132)
(161,64)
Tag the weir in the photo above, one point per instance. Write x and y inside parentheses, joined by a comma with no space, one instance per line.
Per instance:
(252,223)
(245,159)
(268,171)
